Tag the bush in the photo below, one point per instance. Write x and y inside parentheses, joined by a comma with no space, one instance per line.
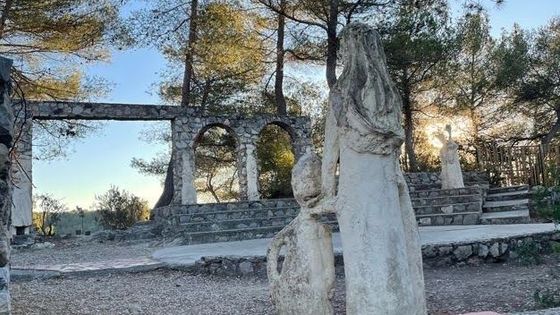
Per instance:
(546,299)
(46,214)
(121,209)
(529,253)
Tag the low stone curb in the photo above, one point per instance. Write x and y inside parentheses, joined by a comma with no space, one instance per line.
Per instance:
(550,311)
(29,274)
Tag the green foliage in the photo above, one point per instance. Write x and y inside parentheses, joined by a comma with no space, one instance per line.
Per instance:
(228,55)
(555,246)
(546,298)
(529,253)
(121,209)
(46,214)
(546,198)
(530,63)
(276,159)
(51,39)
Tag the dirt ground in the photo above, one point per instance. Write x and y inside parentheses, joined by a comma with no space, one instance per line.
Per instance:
(450,290)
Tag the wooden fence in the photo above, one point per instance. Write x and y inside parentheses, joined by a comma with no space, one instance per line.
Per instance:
(516,165)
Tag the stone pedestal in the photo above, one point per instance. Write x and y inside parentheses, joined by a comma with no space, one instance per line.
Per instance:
(22,202)
(248,170)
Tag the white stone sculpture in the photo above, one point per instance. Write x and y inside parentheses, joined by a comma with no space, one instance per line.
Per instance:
(451,174)
(305,285)
(380,240)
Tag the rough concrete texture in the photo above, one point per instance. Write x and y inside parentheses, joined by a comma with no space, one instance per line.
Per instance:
(6,142)
(379,233)
(305,285)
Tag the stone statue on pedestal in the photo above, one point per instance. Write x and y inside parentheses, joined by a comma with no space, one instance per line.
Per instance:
(380,240)
(305,285)
(451,174)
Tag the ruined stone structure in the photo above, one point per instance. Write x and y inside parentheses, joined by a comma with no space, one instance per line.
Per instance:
(187,124)
(6,141)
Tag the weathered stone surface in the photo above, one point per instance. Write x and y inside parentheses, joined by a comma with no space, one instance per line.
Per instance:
(463,252)
(306,283)
(6,137)
(246,268)
(495,250)
(483,250)
(381,247)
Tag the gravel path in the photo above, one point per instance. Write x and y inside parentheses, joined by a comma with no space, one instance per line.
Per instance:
(497,287)
(450,290)
(76,251)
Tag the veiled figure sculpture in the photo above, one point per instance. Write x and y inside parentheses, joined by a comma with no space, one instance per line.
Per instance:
(451,174)
(363,135)
(305,285)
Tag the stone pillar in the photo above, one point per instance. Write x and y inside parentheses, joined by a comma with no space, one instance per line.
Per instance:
(183,168)
(248,169)
(22,203)
(6,141)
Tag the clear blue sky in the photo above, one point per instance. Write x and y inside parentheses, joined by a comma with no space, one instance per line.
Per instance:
(103,159)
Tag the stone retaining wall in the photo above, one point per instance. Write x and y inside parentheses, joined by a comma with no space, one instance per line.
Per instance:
(465,253)
(429,180)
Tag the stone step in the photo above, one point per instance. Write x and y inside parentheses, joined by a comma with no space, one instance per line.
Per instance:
(232,210)
(506,205)
(467,207)
(466,218)
(225,206)
(235,234)
(506,217)
(497,190)
(432,193)
(236,214)
(446,200)
(235,224)
(512,195)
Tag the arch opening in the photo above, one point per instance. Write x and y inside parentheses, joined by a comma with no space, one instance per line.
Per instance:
(276,158)
(216,174)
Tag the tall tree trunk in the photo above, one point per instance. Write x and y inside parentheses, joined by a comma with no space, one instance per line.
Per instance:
(168,188)
(332,43)
(409,133)
(5,13)
(189,53)
(551,133)
(279,80)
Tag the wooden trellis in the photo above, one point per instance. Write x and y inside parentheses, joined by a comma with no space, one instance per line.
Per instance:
(517,165)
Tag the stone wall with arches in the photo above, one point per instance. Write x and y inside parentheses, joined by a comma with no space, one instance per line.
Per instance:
(186,131)
(187,126)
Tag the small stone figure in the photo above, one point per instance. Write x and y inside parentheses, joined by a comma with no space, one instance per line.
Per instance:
(305,285)
(451,174)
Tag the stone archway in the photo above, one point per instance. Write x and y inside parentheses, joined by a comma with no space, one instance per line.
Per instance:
(215,150)
(276,158)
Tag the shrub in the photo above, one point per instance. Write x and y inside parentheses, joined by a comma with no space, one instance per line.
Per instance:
(121,209)
(546,298)
(46,214)
(529,253)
